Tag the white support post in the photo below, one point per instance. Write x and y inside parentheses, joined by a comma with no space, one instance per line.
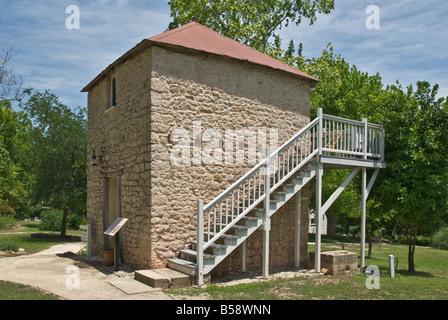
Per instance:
(370,185)
(318,216)
(297,227)
(320,129)
(266,219)
(363,216)
(364,143)
(200,243)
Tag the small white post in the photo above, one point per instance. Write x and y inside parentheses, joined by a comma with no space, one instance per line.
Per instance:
(266,219)
(392,265)
(318,216)
(86,236)
(200,243)
(363,216)
(297,227)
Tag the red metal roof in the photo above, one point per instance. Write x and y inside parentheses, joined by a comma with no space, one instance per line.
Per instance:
(196,36)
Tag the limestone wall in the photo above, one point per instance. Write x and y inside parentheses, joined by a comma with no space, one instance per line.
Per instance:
(162,91)
(221,95)
(122,134)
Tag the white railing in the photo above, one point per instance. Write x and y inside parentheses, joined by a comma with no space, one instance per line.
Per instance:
(346,138)
(339,137)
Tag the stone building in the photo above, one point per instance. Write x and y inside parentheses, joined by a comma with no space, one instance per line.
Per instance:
(180,117)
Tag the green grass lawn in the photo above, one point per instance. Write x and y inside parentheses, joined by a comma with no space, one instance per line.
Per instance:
(16,291)
(21,236)
(430,282)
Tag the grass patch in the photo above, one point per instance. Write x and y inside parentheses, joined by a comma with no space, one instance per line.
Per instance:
(430,282)
(16,291)
(21,238)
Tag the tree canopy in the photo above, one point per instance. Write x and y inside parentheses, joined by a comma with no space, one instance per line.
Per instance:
(251,22)
(59,152)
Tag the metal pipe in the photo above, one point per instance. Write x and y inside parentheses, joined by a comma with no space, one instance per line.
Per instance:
(392,265)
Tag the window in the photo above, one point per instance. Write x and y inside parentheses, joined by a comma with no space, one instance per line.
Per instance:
(113,93)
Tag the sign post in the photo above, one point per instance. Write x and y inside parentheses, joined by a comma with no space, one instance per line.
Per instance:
(86,234)
(113,231)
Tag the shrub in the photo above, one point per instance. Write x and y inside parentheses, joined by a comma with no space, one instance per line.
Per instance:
(6,222)
(51,220)
(74,220)
(440,239)
(7,244)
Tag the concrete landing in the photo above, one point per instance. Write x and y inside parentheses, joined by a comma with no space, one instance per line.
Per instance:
(164,278)
(131,286)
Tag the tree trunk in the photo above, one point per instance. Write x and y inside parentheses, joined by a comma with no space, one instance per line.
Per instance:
(369,241)
(412,239)
(331,225)
(64,221)
(347,226)
(411,265)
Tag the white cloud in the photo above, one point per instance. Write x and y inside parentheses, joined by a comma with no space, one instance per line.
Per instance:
(410,46)
(49,56)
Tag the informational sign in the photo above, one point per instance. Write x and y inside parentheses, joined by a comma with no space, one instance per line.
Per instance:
(115,227)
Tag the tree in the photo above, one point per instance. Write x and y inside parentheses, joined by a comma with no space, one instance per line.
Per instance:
(13,131)
(347,92)
(414,187)
(10,84)
(58,153)
(251,22)
(344,90)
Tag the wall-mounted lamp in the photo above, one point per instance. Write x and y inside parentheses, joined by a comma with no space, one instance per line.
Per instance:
(100,160)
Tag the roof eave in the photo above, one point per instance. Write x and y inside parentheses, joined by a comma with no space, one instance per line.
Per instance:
(138,48)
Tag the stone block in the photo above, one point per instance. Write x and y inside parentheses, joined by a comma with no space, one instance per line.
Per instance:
(336,263)
(153,279)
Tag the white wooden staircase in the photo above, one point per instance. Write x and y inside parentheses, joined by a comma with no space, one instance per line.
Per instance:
(228,220)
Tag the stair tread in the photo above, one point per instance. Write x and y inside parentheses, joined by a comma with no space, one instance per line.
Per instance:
(194,253)
(237,226)
(184,263)
(212,234)
(251,218)
(213,245)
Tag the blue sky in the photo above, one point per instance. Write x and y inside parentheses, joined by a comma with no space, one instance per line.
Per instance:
(410,45)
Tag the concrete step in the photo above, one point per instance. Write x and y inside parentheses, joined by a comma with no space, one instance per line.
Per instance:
(187,267)
(191,255)
(164,278)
